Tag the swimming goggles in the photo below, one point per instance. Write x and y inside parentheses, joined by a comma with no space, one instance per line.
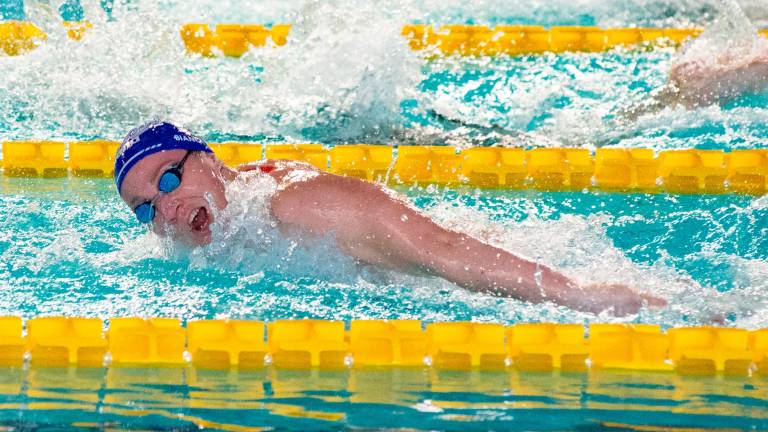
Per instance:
(170,180)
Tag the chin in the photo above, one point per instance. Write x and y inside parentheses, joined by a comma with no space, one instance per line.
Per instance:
(193,238)
(201,238)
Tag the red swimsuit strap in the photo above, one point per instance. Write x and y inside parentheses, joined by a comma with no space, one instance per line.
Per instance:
(266,168)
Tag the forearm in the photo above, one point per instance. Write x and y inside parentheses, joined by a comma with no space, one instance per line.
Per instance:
(403,237)
(720,78)
(481,267)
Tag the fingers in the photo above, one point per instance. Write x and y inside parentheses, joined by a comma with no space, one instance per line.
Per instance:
(619,300)
(629,302)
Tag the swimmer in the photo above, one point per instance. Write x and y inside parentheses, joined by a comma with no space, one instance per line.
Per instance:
(697,81)
(173,182)
(714,77)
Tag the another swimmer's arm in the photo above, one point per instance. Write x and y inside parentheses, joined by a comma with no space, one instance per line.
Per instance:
(699,81)
(721,78)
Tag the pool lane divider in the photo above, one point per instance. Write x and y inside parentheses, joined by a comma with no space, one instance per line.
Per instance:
(301,344)
(551,169)
(234,40)
(19,37)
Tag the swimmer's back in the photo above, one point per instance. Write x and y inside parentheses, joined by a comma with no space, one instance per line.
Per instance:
(281,170)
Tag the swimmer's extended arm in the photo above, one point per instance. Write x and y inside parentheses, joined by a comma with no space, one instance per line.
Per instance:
(377,227)
(718,78)
(728,75)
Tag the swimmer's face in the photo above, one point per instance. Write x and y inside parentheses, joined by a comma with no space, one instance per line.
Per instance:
(186,213)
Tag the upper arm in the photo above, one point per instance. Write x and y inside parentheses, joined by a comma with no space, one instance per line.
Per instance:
(369,223)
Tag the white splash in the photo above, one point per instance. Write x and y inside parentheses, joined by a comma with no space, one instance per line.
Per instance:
(343,75)
(247,238)
(580,247)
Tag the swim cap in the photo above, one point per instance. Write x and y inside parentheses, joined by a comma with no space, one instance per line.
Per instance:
(151,138)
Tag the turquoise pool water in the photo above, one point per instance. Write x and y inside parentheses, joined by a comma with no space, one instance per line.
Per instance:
(373,88)
(182,399)
(69,247)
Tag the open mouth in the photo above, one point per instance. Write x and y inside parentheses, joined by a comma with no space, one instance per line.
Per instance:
(198,220)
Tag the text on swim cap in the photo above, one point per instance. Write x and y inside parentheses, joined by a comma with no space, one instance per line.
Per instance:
(186,138)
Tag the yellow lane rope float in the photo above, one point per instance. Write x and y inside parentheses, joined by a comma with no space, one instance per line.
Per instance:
(224,344)
(17,37)
(607,169)
(234,39)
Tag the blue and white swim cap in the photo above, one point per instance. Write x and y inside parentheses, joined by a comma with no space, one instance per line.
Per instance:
(151,138)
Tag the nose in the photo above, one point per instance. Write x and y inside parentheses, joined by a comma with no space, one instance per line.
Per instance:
(167,208)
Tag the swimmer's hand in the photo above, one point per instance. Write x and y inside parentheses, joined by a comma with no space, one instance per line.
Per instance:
(620,300)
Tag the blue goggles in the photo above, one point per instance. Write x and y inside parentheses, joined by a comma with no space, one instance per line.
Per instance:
(170,180)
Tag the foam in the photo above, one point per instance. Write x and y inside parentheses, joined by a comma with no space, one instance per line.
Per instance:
(246,238)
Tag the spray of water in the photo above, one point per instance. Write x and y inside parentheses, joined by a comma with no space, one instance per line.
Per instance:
(580,247)
(342,77)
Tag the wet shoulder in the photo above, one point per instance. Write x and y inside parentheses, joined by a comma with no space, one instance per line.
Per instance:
(285,172)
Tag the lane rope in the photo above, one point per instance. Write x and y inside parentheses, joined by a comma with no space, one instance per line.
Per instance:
(234,40)
(576,169)
(221,344)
